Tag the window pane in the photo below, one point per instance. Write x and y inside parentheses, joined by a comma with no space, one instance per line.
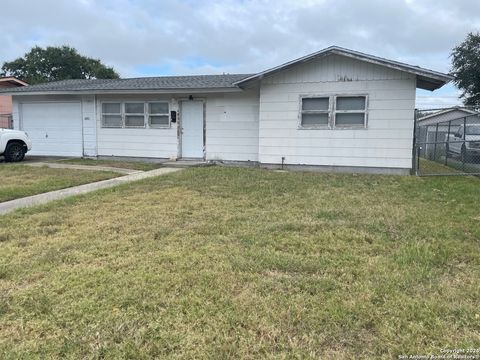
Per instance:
(351,119)
(111,108)
(159,120)
(134,108)
(134,120)
(315,119)
(112,121)
(351,103)
(158,108)
(315,103)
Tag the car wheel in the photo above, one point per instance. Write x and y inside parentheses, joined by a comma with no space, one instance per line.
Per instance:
(14,152)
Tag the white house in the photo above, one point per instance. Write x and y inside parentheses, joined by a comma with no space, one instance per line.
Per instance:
(336,109)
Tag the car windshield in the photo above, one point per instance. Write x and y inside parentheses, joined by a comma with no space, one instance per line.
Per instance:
(473,130)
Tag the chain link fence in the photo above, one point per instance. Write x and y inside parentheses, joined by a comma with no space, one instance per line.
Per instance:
(6,121)
(447,142)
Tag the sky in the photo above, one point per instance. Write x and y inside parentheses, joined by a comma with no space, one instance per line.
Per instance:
(184,37)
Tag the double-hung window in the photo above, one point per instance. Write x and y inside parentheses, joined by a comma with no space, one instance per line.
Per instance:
(315,112)
(158,114)
(334,112)
(112,115)
(134,114)
(350,112)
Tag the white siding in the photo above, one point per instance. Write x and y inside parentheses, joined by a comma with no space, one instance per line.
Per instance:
(89,126)
(232,126)
(147,142)
(387,142)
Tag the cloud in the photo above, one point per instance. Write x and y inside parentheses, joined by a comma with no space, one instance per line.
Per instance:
(142,37)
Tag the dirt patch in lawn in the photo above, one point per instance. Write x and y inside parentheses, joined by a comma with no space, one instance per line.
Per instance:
(134,165)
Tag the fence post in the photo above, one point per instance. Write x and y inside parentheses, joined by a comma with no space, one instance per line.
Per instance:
(447,143)
(435,144)
(414,145)
(417,170)
(464,145)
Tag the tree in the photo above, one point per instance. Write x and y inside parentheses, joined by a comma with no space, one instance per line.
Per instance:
(466,69)
(56,63)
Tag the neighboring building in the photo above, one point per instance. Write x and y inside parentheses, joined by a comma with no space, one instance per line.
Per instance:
(433,128)
(445,115)
(6,100)
(336,109)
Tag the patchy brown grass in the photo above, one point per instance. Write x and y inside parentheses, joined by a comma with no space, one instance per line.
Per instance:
(241,263)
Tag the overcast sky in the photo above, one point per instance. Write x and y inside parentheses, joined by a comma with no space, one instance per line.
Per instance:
(152,37)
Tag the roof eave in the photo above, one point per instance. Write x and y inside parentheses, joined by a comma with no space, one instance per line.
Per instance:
(14,81)
(124,91)
(430,84)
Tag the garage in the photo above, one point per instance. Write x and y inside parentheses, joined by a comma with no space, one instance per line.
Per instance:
(55,128)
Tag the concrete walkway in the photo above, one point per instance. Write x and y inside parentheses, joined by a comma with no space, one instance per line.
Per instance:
(44,198)
(83,167)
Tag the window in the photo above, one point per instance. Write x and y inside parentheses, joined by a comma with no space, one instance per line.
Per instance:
(473,130)
(460,132)
(112,115)
(158,114)
(135,114)
(350,111)
(334,112)
(315,111)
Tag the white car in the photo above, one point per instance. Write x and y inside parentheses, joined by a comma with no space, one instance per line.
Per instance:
(466,144)
(14,144)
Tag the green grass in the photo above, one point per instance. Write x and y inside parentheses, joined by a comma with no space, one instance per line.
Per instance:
(455,166)
(245,264)
(428,167)
(21,180)
(134,165)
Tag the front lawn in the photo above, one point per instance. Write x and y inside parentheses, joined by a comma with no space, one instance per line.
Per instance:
(18,181)
(244,263)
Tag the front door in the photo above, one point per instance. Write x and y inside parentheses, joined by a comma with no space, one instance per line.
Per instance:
(192,129)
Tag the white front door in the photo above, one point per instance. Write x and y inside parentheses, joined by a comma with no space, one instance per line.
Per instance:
(192,129)
(54,127)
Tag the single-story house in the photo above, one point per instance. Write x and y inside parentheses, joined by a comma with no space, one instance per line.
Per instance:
(443,116)
(434,127)
(333,109)
(6,100)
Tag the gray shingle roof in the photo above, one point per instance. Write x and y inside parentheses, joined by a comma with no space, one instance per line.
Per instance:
(145,83)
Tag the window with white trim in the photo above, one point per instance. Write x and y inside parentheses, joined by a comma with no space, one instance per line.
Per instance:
(112,115)
(158,114)
(315,111)
(134,114)
(350,112)
(334,112)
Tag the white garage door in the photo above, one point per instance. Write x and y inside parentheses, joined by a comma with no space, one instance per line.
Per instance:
(55,128)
